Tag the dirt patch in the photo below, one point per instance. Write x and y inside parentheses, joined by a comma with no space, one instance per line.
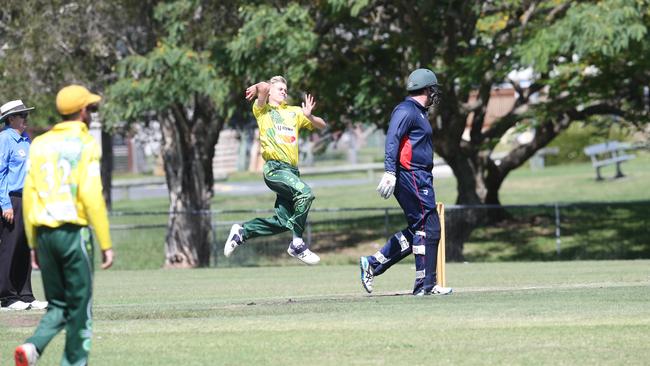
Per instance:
(20,319)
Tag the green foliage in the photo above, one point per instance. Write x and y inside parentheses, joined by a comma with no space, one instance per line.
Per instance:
(274,41)
(604,28)
(172,15)
(354,7)
(171,75)
(47,45)
(159,80)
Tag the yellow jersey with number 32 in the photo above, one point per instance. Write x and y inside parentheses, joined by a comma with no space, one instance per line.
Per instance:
(63,183)
(279,128)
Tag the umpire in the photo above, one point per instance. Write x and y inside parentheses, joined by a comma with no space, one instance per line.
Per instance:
(408,164)
(15,267)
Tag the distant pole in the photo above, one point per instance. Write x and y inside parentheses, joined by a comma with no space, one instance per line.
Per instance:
(558,241)
(215,237)
(386,222)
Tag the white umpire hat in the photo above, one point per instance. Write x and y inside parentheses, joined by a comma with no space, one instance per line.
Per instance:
(13,107)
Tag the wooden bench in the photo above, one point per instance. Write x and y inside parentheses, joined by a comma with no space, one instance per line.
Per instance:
(608,153)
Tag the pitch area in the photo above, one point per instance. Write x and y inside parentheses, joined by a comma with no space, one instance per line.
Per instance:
(550,313)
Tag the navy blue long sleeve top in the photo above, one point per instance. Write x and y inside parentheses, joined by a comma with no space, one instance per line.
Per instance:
(408,140)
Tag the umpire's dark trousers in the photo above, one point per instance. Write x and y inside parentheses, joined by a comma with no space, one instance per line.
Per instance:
(15,263)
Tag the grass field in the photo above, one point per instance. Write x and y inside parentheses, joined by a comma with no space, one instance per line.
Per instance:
(527,313)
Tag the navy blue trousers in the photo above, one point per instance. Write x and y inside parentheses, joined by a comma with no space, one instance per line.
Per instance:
(414,192)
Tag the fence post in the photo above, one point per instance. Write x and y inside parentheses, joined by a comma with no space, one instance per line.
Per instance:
(558,241)
(215,245)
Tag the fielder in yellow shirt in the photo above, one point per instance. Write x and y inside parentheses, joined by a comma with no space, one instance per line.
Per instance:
(61,197)
(279,125)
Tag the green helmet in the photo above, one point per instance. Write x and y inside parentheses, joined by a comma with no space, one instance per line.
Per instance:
(421,78)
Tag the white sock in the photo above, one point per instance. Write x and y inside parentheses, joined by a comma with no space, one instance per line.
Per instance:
(297,240)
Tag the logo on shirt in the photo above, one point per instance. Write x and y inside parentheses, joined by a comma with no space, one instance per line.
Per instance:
(282,134)
(22,153)
(285,134)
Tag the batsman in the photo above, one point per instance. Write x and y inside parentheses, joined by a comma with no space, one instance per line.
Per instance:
(408,163)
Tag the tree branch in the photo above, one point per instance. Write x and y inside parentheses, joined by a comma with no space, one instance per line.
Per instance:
(546,132)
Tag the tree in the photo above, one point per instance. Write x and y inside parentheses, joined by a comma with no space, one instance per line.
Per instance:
(183,84)
(46,45)
(366,48)
(192,61)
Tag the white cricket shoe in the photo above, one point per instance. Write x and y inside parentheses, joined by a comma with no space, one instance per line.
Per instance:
(367,276)
(437,290)
(235,238)
(26,355)
(18,305)
(303,253)
(39,305)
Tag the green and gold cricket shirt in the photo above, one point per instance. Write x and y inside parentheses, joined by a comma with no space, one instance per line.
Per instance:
(63,183)
(279,128)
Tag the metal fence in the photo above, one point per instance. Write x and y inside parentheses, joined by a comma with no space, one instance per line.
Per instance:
(611,230)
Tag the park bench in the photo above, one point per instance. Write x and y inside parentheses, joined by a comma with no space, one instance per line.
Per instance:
(608,153)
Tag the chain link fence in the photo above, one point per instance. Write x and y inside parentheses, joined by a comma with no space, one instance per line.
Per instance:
(614,230)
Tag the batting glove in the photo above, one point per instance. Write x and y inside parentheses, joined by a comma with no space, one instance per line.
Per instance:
(386,185)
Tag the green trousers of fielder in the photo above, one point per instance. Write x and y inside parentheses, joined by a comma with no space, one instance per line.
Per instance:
(65,255)
(291,206)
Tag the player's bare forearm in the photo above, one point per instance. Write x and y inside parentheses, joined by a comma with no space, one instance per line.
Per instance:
(317,122)
(259,90)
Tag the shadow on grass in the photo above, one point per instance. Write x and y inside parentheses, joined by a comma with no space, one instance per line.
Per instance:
(325,235)
(587,231)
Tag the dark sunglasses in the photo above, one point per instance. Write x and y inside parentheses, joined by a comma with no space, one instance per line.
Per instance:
(22,115)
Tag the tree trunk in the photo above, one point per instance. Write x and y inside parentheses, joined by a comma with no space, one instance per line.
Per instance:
(494,177)
(460,223)
(188,151)
(479,181)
